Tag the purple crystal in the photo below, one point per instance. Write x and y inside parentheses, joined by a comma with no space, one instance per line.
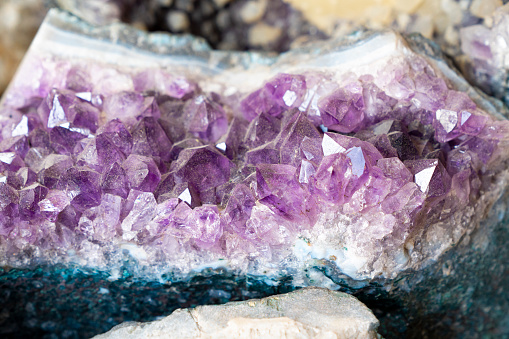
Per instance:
(181,145)
(163,83)
(78,80)
(149,139)
(206,119)
(208,225)
(234,137)
(29,198)
(63,140)
(129,106)
(9,208)
(83,185)
(10,161)
(265,154)
(278,188)
(64,107)
(291,137)
(332,177)
(103,158)
(430,175)
(471,124)
(115,131)
(107,152)
(18,145)
(142,173)
(52,169)
(114,181)
(141,213)
(238,210)
(53,204)
(343,111)
(100,223)
(281,93)
(203,166)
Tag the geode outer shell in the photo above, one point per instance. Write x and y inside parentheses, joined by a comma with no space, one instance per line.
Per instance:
(362,157)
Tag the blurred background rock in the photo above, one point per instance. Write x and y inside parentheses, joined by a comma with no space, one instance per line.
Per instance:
(268,25)
(19,21)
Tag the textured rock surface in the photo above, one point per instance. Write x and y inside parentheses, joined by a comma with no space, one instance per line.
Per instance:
(440,20)
(226,24)
(484,50)
(306,313)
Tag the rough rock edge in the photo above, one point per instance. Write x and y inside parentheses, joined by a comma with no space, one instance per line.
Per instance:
(307,313)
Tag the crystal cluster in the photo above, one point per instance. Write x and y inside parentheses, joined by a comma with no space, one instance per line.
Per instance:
(484,59)
(97,160)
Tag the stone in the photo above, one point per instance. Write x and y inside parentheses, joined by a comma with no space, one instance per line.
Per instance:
(20,21)
(307,313)
(317,166)
(483,47)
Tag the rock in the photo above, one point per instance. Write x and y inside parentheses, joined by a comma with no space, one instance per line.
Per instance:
(253,11)
(351,164)
(225,24)
(484,48)
(177,21)
(306,313)
(369,167)
(19,21)
(484,8)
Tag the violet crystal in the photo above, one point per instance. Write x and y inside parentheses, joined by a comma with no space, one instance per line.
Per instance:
(362,163)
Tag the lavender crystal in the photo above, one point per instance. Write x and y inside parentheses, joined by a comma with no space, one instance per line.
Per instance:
(307,165)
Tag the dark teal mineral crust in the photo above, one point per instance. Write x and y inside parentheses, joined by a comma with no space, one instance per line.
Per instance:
(463,295)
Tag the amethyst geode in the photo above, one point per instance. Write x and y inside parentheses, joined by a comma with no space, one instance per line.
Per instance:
(372,162)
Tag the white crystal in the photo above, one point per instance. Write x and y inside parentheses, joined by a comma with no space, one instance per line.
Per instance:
(7,157)
(21,128)
(87,96)
(143,211)
(306,171)
(423,178)
(464,117)
(186,196)
(221,146)
(329,146)
(448,119)
(289,98)
(358,162)
(56,115)
(383,128)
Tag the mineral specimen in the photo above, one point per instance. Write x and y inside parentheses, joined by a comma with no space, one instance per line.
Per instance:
(369,163)
(484,49)
(307,313)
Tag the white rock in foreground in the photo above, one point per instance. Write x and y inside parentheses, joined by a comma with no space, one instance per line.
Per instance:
(306,313)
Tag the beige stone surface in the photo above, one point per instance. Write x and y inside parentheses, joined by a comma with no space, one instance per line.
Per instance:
(484,8)
(19,21)
(263,34)
(430,17)
(306,313)
(253,11)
